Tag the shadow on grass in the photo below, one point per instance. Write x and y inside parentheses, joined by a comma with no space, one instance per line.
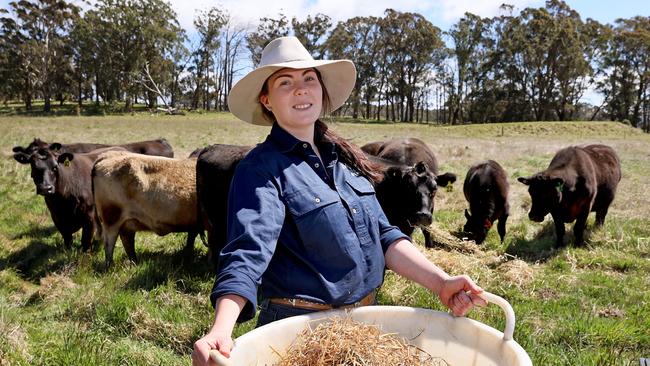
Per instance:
(156,268)
(36,231)
(35,260)
(539,249)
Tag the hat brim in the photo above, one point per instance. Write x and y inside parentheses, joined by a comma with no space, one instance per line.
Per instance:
(339,77)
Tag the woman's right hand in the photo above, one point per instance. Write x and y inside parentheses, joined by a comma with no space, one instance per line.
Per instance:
(220,341)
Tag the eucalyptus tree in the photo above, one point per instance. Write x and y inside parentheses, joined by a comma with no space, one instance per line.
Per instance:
(267,30)
(359,39)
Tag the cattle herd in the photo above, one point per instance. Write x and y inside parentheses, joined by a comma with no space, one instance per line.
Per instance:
(118,190)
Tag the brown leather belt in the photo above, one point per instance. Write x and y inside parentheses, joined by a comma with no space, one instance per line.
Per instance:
(310,305)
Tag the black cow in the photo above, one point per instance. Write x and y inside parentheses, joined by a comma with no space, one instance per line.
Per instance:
(579,180)
(417,209)
(215,167)
(406,195)
(64,182)
(486,190)
(159,147)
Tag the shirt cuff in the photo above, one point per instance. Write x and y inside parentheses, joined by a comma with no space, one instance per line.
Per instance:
(236,284)
(390,237)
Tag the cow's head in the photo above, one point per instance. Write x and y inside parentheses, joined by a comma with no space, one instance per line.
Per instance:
(545,192)
(477,227)
(32,147)
(415,186)
(45,166)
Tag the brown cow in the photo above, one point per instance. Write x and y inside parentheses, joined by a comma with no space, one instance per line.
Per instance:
(579,180)
(486,190)
(64,182)
(136,192)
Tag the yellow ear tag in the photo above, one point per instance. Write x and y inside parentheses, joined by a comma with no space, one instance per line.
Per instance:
(66,163)
(449,187)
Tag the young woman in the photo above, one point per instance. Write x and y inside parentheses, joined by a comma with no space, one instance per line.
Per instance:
(304,225)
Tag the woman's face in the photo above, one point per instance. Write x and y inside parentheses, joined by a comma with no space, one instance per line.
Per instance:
(295,97)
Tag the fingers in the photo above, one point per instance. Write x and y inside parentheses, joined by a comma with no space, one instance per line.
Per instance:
(477,301)
(460,303)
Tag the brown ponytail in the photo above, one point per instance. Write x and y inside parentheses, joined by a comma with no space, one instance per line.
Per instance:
(351,154)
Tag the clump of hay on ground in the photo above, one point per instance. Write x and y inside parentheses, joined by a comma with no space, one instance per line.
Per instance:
(347,342)
(54,286)
(146,327)
(443,239)
(516,272)
(13,340)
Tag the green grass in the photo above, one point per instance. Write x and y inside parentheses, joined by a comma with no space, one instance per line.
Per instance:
(574,306)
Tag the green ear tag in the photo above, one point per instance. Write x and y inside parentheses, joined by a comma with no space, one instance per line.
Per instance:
(559,187)
(449,187)
(66,163)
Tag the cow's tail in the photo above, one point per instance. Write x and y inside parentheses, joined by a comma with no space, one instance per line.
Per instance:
(98,224)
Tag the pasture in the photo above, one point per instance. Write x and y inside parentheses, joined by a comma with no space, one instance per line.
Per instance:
(574,306)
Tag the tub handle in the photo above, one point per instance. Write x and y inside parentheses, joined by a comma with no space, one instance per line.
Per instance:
(219,359)
(505,306)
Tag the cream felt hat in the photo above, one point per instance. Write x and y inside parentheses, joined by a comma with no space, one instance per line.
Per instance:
(338,77)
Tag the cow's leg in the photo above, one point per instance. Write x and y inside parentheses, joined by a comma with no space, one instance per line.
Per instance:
(189,244)
(109,236)
(579,228)
(87,233)
(128,241)
(428,242)
(67,239)
(501,227)
(559,231)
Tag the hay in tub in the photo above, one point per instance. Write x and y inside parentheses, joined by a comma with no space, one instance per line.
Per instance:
(343,341)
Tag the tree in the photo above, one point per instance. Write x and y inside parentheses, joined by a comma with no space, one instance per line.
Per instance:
(268,30)
(44,25)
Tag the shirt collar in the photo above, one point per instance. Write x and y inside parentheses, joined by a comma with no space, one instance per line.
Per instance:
(287,142)
(283,139)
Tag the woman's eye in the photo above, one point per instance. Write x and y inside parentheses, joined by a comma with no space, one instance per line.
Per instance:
(310,78)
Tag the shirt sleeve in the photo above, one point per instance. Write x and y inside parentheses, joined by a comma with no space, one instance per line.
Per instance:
(388,233)
(255,217)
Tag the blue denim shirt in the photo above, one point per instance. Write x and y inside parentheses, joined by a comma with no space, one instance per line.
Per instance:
(298,229)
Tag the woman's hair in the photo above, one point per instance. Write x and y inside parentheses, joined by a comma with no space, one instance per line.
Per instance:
(351,154)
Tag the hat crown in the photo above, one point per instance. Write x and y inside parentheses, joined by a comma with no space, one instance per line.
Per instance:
(284,49)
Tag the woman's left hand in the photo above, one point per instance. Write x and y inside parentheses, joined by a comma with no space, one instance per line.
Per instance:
(460,294)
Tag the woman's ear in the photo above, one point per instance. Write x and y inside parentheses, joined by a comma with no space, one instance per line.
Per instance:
(264,99)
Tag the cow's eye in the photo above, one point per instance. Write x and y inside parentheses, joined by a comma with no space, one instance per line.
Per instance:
(55,169)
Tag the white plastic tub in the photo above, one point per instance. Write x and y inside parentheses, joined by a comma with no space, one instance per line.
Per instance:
(459,341)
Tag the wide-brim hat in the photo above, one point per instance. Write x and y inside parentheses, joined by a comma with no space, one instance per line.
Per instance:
(338,76)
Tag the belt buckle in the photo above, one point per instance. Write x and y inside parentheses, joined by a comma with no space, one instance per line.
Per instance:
(292,301)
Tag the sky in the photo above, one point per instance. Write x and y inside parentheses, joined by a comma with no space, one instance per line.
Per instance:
(442,13)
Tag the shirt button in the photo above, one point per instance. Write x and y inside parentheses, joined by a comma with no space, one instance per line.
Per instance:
(305,145)
(317,200)
(316,165)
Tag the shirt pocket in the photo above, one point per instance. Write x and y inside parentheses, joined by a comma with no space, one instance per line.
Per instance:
(360,184)
(306,200)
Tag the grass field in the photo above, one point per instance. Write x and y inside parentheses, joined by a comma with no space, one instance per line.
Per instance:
(575,306)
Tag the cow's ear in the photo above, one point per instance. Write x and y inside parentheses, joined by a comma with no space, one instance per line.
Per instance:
(17,149)
(421,168)
(394,172)
(55,146)
(21,157)
(65,158)
(525,180)
(467,215)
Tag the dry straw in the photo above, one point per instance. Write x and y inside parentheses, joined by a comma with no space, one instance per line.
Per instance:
(345,342)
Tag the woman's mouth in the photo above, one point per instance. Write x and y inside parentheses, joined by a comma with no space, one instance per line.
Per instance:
(301,107)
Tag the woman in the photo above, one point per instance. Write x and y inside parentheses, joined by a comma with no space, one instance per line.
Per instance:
(304,225)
